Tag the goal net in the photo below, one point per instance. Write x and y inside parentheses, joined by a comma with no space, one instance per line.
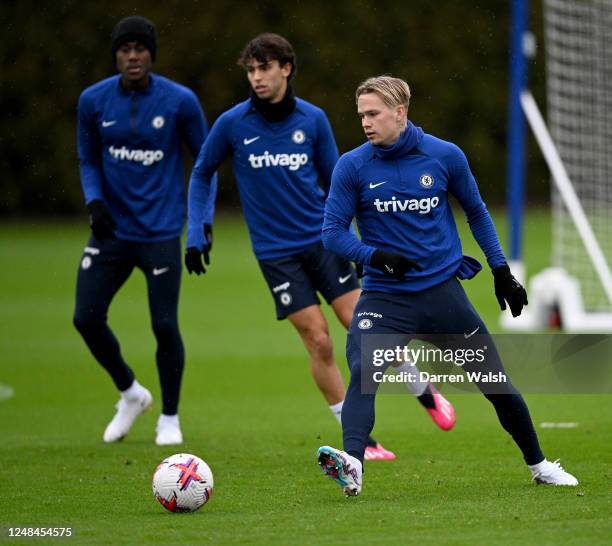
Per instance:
(578,43)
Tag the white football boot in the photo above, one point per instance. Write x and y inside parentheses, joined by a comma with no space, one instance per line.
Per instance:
(341,467)
(168,431)
(127,411)
(551,474)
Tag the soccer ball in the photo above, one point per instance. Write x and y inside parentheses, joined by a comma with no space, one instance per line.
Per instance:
(182,483)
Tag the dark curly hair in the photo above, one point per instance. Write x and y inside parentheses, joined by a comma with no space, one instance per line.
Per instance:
(269,47)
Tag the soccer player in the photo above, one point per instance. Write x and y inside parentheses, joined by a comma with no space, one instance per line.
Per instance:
(280,146)
(130,130)
(397,185)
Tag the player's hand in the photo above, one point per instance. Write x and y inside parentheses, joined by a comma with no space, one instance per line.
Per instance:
(208,236)
(392,264)
(193,260)
(508,289)
(100,220)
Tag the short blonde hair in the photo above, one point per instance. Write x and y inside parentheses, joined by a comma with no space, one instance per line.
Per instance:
(392,91)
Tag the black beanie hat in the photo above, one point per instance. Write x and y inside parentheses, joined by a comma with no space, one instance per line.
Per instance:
(137,29)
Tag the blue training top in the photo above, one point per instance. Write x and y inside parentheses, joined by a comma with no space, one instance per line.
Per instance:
(129,146)
(276,166)
(399,195)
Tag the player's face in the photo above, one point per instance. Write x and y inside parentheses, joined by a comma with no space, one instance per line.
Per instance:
(134,63)
(268,80)
(382,125)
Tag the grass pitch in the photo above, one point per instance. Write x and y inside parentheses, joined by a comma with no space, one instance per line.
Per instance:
(251,410)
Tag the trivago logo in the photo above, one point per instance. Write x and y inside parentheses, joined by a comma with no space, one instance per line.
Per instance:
(423,206)
(293,161)
(146,157)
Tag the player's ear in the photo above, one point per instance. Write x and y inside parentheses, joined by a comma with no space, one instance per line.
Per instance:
(286,69)
(400,112)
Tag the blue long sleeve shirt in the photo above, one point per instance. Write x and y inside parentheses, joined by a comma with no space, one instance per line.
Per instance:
(399,196)
(277,168)
(129,147)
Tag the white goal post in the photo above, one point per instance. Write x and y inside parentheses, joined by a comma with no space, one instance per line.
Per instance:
(578,151)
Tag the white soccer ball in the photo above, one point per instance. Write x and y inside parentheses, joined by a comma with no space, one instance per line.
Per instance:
(182,483)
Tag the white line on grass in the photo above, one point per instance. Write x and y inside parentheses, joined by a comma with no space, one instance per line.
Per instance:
(558,425)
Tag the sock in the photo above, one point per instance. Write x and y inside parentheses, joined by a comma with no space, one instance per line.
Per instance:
(336,409)
(133,392)
(427,399)
(416,387)
(170,420)
(535,468)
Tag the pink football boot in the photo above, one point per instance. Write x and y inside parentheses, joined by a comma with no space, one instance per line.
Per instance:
(378,453)
(443,414)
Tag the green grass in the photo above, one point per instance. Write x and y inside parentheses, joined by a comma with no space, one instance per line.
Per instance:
(251,410)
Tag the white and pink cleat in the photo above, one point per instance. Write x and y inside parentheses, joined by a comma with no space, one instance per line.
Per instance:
(341,467)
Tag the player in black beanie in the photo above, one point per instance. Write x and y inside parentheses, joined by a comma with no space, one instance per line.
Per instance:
(133,47)
(131,130)
(134,28)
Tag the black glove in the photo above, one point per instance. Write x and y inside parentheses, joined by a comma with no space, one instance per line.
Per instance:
(359,270)
(508,289)
(100,220)
(193,260)
(208,236)
(392,264)
(193,256)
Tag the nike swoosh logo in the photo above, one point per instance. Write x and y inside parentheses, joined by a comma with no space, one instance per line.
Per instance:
(342,280)
(471,333)
(108,123)
(389,269)
(248,141)
(372,186)
(160,271)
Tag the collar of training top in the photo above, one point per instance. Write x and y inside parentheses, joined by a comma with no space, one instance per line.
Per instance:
(277,111)
(410,138)
(145,90)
